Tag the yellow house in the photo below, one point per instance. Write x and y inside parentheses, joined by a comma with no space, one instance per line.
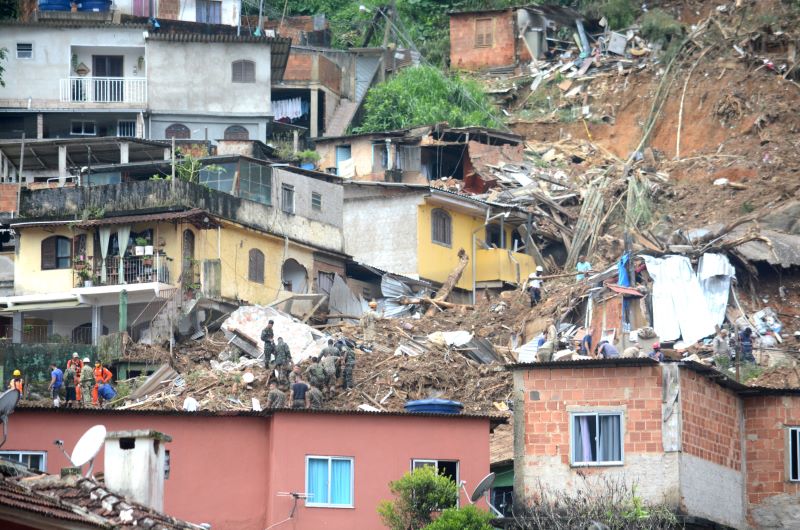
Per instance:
(165,244)
(417,231)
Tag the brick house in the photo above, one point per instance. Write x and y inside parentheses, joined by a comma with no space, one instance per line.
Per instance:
(687,435)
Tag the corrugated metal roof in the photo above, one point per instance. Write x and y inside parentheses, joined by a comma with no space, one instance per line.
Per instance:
(586,363)
(628,291)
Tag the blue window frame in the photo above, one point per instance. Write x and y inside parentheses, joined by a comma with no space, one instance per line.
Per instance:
(329,482)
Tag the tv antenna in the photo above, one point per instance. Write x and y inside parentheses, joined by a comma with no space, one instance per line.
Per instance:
(87,447)
(296,495)
(8,401)
(482,489)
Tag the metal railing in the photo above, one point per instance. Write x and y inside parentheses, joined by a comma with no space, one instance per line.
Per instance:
(135,269)
(103,90)
(43,334)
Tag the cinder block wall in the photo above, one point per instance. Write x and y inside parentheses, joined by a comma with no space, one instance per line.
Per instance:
(463,53)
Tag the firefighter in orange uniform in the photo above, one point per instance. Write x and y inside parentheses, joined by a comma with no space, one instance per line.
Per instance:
(102,375)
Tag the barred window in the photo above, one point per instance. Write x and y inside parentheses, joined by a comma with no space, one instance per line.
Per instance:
(178,131)
(441,227)
(243,71)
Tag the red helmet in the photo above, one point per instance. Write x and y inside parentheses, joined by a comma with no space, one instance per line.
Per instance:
(656,345)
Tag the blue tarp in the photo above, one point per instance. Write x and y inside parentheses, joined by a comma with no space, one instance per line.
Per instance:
(622,269)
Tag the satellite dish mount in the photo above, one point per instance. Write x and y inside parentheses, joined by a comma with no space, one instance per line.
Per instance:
(87,447)
(482,489)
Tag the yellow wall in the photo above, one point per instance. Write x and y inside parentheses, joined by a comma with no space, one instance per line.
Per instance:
(436,261)
(29,278)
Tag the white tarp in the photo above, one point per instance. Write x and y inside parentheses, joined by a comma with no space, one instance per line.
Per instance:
(683,307)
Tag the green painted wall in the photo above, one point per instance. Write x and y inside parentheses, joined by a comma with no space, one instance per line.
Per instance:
(34,360)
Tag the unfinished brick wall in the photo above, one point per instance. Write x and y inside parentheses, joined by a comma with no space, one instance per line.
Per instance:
(8,198)
(298,67)
(463,52)
(711,427)
(330,75)
(554,390)
(766,422)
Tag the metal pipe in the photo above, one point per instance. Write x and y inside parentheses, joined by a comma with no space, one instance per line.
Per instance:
(19,173)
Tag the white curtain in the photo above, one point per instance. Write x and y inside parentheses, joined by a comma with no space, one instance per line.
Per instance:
(123,234)
(105,237)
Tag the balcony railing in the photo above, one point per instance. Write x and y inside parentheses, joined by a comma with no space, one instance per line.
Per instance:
(43,334)
(135,269)
(103,90)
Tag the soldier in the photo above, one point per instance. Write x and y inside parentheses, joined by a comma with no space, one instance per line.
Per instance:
(267,335)
(315,398)
(368,320)
(275,399)
(283,362)
(349,366)
(87,382)
(329,363)
(316,373)
(295,375)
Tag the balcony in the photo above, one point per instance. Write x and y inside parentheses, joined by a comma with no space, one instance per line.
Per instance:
(131,270)
(128,90)
(501,265)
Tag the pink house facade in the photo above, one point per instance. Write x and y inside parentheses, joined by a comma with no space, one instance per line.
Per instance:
(236,471)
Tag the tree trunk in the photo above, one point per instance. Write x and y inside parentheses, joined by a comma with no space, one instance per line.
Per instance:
(451,282)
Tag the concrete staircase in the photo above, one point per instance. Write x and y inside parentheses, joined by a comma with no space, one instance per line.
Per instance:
(342,116)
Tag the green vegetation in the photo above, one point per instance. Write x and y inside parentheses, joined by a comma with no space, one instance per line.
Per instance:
(466,518)
(423,96)
(619,13)
(418,494)
(658,26)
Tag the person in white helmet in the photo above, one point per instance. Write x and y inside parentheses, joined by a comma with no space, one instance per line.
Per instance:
(535,286)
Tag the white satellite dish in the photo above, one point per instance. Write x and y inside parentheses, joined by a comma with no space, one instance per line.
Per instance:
(482,489)
(8,401)
(88,446)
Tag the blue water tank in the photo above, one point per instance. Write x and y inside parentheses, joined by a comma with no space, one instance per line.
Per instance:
(106,392)
(54,5)
(94,5)
(436,406)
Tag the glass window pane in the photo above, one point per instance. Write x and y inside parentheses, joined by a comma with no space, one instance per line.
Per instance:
(610,439)
(584,428)
(318,480)
(794,454)
(341,492)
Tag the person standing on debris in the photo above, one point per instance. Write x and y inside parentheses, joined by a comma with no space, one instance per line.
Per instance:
(535,286)
(275,398)
(283,362)
(368,321)
(299,394)
(315,398)
(582,267)
(657,354)
(328,362)
(87,380)
(56,382)
(349,366)
(586,343)
(77,365)
(267,335)
(606,350)
(721,344)
(294,374)
(746,345)
(17,383)
(315,373)
(69,385)
(102,376)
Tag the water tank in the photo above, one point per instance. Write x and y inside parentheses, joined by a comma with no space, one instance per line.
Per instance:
(54,5)
(94,5)
(436,406)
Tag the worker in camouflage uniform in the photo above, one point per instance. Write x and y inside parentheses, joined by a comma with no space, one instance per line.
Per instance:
(276,399)
(283,363)
(349,366)
(368,321)
(295,375)
(329,364)
(315,373)
(267,335)
(86,383)
(315,398)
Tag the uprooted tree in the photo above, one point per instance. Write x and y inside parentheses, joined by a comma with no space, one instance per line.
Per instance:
(419,494)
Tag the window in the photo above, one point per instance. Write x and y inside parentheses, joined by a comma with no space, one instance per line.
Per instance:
(287,198)
(316,201)
(794,454)
(83,128)
(36,460)
(178,131)
(596,438)
(408,158)
(494,236)
(255,182)
(236,132)
(208,11)
(329,481)
(218,177)
(56,253)
(243,72)
(126,128)
(447,468)
(255,266)
(24,50)
(484,32)
(380,157)
(141,8)
(441,227)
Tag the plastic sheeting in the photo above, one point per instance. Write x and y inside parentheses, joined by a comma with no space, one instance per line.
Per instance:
(686,304)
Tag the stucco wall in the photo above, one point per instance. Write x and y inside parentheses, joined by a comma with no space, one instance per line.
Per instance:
(180,78)
(382,228)
(29,278)
(332,196)
(712,491)
(213,127)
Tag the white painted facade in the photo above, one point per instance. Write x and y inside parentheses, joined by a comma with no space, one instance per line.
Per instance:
(134,465)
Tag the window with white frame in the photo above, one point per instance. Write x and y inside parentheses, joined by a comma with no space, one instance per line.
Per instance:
(316,201)
(596,438)
(329,482)
(794,454)
(446,468)
(287,198)
(24,50)
(126,128)
(36,460)
(83,128)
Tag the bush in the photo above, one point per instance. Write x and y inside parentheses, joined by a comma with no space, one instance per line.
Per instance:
(660,26)
(467,518)
(423,96)
(619,13)
(419,493)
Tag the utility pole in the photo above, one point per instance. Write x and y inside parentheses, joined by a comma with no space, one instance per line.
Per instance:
(19,174)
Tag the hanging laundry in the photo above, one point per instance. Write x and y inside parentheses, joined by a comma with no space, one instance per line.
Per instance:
(287,108)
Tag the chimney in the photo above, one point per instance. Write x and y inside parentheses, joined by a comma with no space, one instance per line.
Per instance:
(134,465)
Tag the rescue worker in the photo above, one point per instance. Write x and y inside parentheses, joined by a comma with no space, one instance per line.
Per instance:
(56,382)
(721,344)
(69,385)
(275,398)
(86,382)
(267,335)
(283,362)
(328,362)
(294,375)
(315,398)
(17,382)
(535,286)
(746,345)
(102,376)
(349,366)
(299,394)
(606,350)
(315,373)
(77,365)
(368,321)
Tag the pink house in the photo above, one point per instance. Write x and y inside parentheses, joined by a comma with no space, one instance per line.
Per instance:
(236,471)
